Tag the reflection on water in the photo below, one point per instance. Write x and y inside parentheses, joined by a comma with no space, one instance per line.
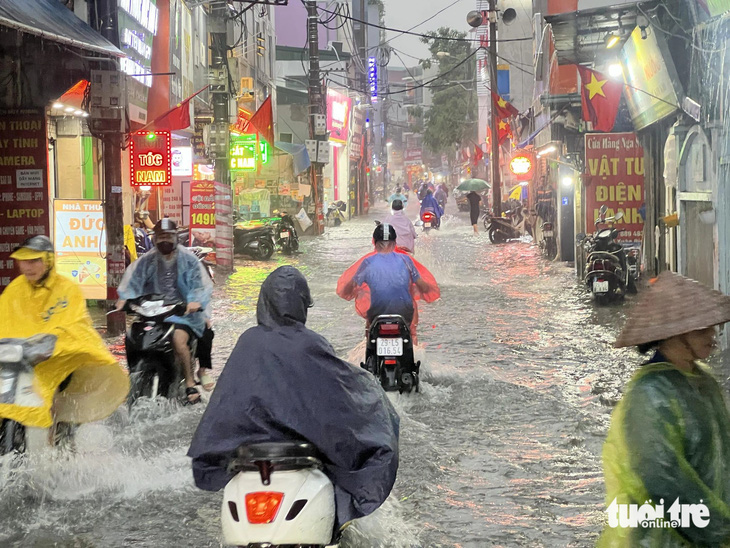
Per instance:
(501,447)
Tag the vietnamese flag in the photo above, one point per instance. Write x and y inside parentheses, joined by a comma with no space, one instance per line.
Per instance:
(503,109)
(478,154)
(263,121)
(177,117)
(600,98)
(504,131)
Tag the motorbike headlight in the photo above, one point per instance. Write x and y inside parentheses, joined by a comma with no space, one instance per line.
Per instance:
(11,353)
(151,309)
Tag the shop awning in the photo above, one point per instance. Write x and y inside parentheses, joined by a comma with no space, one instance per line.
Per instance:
(53,21)
(298,153)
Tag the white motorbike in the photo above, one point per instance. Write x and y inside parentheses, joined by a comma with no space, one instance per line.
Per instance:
(278,497)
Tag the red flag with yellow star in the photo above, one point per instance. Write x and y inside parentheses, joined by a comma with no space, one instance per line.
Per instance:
(600,97)
(504,131)
(503,109)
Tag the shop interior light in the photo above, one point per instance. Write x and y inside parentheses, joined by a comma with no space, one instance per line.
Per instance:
(85,115)
(389,144)
(615,70)
(58,106)
(547,150)
(612,40)
(144,187)
(568,181)
(69,109)
(78,112)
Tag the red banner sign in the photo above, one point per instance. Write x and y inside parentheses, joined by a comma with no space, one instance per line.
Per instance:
(614,177)
(202,215)
(150,158)
(23,183)
(338,116)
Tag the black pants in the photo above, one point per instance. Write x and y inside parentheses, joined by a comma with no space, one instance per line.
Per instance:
(474,214)
(205,348)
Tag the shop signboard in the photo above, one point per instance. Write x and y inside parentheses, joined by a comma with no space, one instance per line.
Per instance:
(373,79)
(358,121)
(150,159)
(23,183)
(182,161)
(653,85)
(80,243)
(243,156)
(172,204)
(137,21)
(614,177)
(414,148)
(338,116)
(202,215)
(198,141)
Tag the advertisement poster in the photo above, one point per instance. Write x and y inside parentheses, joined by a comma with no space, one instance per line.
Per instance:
(338,116)
(224,225)
(23,189)
(80,242)
(615,177)
(202,215)
(172,203)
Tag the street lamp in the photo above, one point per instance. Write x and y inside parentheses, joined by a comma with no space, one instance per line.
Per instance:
(442,54)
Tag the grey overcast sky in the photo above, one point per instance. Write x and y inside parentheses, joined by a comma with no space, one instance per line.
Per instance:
(403,14)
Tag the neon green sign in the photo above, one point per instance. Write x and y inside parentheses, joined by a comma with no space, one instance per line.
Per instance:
(243,153)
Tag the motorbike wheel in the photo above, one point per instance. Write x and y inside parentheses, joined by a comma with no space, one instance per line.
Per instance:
(265,250)
(631,286)
(371,365)
(485,219)
(142,384)
(12,437)
(337,221)
(551,249)
(496,236)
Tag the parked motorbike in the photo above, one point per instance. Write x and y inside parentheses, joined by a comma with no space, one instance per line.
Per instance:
(389,354)
(255,241)
(202,254)
(429,220)
(279,496)
(513,224)
(335,212)
(286,235)
(153,369)
(607,273)
(548,243)
(18,358)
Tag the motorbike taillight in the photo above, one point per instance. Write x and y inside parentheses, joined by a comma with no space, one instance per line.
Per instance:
(389,329)
(263,506)
(426,217)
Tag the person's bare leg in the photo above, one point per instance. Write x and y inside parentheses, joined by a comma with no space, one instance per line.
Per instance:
(476,229)
(182,352)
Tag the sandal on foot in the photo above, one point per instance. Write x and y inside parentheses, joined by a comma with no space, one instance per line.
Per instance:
(206,381)
(192,391)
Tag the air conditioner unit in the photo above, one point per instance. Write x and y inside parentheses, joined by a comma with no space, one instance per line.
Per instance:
(247,93)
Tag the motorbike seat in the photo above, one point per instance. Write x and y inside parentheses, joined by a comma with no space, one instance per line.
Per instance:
(251,228)
(270,456)
(277,450)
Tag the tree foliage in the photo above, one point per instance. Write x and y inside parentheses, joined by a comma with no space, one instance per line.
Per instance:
(450,122)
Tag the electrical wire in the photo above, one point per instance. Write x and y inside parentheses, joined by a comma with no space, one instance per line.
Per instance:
(381,27)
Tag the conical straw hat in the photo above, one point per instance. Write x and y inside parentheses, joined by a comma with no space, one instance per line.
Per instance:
(673,305)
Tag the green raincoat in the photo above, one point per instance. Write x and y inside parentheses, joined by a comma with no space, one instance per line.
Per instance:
(669,439)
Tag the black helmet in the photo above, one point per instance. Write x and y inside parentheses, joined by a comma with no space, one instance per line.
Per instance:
(165,226)
(380,235)
(34,247)
(397,204)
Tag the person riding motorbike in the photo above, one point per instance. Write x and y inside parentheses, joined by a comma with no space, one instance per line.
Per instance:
(398,195)
(81,382)
(175,272)
(430,203)
(406,233)
(388,281)
(284,382)
(441,197)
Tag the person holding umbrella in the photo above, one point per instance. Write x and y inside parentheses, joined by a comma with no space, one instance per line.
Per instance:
(473,186)
(669,441)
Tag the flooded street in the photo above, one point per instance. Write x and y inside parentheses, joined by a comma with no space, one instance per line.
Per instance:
(501,447)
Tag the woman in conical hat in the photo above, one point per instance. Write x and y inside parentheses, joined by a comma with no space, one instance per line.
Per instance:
(670,435)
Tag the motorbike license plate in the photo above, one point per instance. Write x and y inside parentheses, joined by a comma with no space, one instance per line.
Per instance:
(284,234)
(427,225)
(548,233)
(390,347)
(600,287)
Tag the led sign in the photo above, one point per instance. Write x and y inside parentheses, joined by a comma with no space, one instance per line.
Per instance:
(521,166)
(150,158)
(142,11)
(243,153)
(373,78)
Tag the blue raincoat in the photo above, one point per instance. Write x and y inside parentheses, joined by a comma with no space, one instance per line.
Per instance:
(429,202)
(142,278)
(284,382)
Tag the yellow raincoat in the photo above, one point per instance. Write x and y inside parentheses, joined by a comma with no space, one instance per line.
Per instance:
(98,386)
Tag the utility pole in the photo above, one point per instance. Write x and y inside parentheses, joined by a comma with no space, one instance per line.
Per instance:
(219,90)
(315,109)
(113,204)
(365,160)
(493,122)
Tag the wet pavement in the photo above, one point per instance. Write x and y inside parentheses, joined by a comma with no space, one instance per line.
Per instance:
(501,447)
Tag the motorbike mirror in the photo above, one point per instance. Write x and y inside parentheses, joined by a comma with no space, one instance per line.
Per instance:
(580,237)
(603,209)
(618,216)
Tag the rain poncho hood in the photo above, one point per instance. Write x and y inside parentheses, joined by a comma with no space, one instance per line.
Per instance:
(669,439)
(429,202)
(284,382)
(361,293)
(142,278)
(56,306)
